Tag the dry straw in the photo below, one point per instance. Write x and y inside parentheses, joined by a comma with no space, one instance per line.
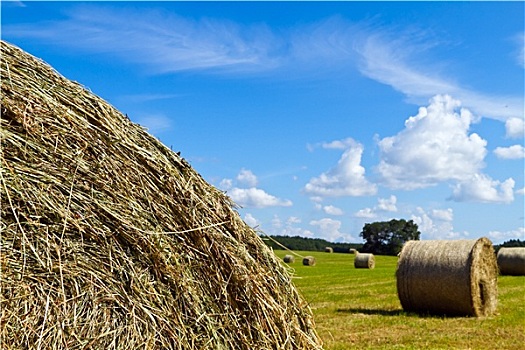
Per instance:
(364,261)
(109,240)
(289,258)
(448,277)
(308,261)
(511,261)
(329,250)
(353,251)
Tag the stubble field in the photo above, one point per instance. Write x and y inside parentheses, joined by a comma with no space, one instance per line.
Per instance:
(360,309)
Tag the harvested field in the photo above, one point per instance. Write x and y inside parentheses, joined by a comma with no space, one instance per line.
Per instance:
(360,309)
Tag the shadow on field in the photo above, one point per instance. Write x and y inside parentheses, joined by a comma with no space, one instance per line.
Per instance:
(366,311)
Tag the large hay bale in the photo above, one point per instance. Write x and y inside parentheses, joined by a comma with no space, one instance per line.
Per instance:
(364,261)
(329,250)
(112,241)
(289,259)
(309,261)
(511,261)
(448,277)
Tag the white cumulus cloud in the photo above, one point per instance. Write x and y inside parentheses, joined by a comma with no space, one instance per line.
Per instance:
(383,205)
(256,198)
(515,128)
(347,178)
(329,229)
(245,194)
(436,224)
(251,220)
(481,188)
(501,236)
(387,204)
(366,213)
(435,146)
(331,210)
(512,152)
(247,178)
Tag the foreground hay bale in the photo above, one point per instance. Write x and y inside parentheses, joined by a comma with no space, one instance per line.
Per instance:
(364,261)
(112,241)
(289,259)
(309,261)
(329,250)
(448,277)
(511,261)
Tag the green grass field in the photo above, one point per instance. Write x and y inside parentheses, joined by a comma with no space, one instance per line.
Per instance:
(359,308)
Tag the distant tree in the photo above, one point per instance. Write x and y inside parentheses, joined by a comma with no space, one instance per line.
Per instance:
(388,237)
(308,244)
(510,244)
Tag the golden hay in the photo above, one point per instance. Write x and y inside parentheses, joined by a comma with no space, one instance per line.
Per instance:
(309,261)
(448,277)
(289,259)
(109,240)
(353,251)
(329,250)
(364,261)
(511,261)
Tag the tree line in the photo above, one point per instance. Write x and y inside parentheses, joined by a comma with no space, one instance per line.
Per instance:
(380,238)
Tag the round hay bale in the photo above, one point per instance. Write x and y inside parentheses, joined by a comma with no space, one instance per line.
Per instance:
(110,240)
(511,261)
(328,250)
(353,251)
(308,261)
(448,277)
(364,261)
(289,259)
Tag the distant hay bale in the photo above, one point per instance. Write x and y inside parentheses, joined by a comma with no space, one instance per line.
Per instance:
(329,250)
(364,261)
(289,259)
(353,251)
(110,240)
(448,277)
(309,261)
(511,261)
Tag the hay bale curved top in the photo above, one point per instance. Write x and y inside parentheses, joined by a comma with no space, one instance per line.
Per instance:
(111,240)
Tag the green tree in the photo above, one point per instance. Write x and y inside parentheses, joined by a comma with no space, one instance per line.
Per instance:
(388,237)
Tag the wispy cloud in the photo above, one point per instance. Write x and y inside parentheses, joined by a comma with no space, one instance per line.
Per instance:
(164,42)
(168,43)
(400,63)
(143,98)
(154,123)
(520,44)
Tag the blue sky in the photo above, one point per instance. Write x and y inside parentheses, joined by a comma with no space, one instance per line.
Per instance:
(315,117)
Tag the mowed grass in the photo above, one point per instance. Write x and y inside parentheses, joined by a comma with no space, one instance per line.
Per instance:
(359,309)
